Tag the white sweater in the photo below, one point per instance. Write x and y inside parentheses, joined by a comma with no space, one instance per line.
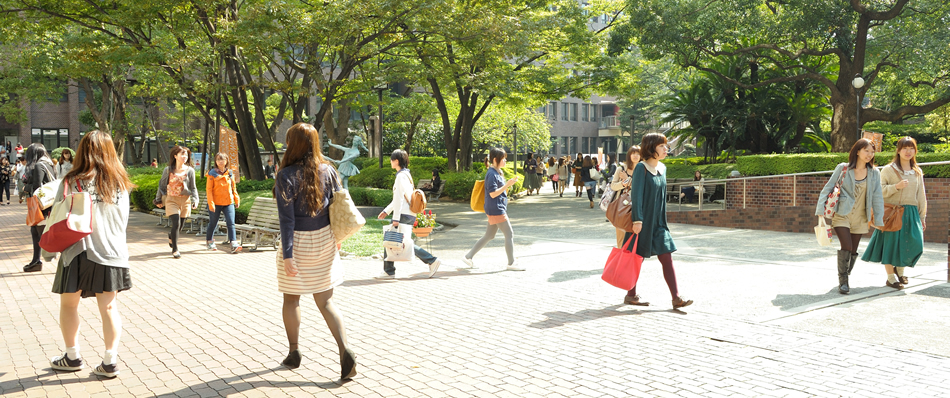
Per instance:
(402,189)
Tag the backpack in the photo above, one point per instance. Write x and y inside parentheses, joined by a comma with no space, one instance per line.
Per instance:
(416,199)
(478,196)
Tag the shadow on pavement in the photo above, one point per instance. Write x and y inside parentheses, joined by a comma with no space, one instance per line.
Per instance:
(419,276)
(238,383)
(561,318)
(566,276)
(935,291)
(787,301)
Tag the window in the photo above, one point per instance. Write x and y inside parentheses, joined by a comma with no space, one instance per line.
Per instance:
(565,109)
(573,146)
(543,110)
(593,113)
(552,111)
(595,19)
(585,145)
(51,138)
(564,146)
(573,112)
(585,112)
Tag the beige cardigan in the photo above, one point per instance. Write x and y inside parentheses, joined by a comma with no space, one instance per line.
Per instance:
(616,183)
(892,195)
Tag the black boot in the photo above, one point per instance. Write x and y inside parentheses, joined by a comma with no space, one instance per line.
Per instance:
(844,261)
(854,257)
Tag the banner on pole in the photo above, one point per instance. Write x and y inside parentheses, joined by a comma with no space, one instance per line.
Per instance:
(877,139)
(229,145)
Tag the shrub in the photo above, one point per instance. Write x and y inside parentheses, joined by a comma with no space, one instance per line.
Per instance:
(371,176)
(709,171)
(459,186)
(761,165)
(371,196)
(252,185)
(137,171)
(144,192)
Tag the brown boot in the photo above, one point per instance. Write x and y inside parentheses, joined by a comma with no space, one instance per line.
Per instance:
(634,300)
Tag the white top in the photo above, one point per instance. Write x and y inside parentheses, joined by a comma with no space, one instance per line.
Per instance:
(107,243)
(402,188)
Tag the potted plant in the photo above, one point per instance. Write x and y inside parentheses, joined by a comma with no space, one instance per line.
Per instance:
(425,221)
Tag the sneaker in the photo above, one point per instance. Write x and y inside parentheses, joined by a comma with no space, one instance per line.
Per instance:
(469,263)
(211,245)
(514,267)
(434,267)
(63,362)
(385,276)
(236,249)
(110,371)
(176,254)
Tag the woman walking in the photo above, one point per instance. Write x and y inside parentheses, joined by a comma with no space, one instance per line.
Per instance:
(98,265)
(590,184)
(648,210)
(65,163)
(903,185)
(563,174)
(531,180)
(308,262)
(496,208)
(860,197)
(177,193)
(551,171)
(221,190)
(6,175)
(403,217)
(621,180)
(38,171)
(576,166)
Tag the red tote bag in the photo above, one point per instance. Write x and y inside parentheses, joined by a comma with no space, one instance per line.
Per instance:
(623,267)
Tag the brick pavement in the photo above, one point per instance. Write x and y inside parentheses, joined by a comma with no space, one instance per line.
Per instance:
(209,325)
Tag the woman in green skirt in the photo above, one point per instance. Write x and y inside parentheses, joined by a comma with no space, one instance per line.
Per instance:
(903,185)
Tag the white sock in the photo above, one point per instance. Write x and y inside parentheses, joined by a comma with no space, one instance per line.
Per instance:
(892,278)
(110,357)
(73,352)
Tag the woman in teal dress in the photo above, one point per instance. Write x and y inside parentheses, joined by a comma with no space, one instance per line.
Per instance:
(345,166)
(648,210)
(903,185)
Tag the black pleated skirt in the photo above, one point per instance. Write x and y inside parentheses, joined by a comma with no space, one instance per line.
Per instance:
(90,277)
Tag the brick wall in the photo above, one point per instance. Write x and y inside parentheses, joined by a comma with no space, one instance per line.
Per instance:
(768,206)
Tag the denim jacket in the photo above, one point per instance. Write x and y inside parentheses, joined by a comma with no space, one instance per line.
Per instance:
(874,199)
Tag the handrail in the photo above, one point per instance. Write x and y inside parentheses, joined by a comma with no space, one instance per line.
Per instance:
(810,173)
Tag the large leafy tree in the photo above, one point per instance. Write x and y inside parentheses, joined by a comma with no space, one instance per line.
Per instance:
(904,42)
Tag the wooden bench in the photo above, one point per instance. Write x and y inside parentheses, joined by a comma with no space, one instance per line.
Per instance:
(163,216)
(263,225)
(430,196)
(202,218)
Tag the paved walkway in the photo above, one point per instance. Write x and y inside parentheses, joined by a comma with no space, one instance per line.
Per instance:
(767,320)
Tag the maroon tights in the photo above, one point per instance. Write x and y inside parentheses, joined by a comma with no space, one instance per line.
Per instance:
(668,273)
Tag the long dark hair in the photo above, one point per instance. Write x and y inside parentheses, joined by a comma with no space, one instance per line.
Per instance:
(96,160)
(33,154)
(853,155)
(303,150)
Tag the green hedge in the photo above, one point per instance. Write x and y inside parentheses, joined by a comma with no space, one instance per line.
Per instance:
(371,196)
(761,165)
(144,192)
(709,171)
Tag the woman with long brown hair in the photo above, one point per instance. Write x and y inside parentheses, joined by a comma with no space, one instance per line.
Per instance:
(621,179)
(177,193)
(309,260)
(902,183)
(576,166)
(860,198)
(98,265)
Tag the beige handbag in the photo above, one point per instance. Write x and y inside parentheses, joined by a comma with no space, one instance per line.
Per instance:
(823,232)
(345,218)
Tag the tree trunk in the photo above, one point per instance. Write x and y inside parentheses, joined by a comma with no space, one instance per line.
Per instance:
(799,135)
(250,156)
(409,134)
(844,123)
(120,130)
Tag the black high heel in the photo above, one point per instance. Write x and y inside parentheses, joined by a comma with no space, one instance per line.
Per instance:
(33,267)
(293,359)
(348,365)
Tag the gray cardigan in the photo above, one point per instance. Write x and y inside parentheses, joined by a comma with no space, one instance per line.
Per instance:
(846,200)
(189,190)
(107,243)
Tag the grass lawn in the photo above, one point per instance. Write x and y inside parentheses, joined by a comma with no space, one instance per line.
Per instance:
(368,241)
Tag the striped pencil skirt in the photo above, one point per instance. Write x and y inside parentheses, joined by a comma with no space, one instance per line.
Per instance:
(318,264)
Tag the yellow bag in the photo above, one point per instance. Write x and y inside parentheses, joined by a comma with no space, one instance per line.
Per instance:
(478,196)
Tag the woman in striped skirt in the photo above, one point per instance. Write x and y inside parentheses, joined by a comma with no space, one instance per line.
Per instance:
(308,261)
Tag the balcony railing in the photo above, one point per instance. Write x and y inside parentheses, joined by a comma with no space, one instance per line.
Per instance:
(609,122)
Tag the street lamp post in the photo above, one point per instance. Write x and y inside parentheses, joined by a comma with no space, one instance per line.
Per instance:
(633,127)
(857,83)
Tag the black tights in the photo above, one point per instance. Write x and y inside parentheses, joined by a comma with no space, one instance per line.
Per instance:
(177,224)
(291,315)
(669,274)
(6,188)
(849,241)
(36,232)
